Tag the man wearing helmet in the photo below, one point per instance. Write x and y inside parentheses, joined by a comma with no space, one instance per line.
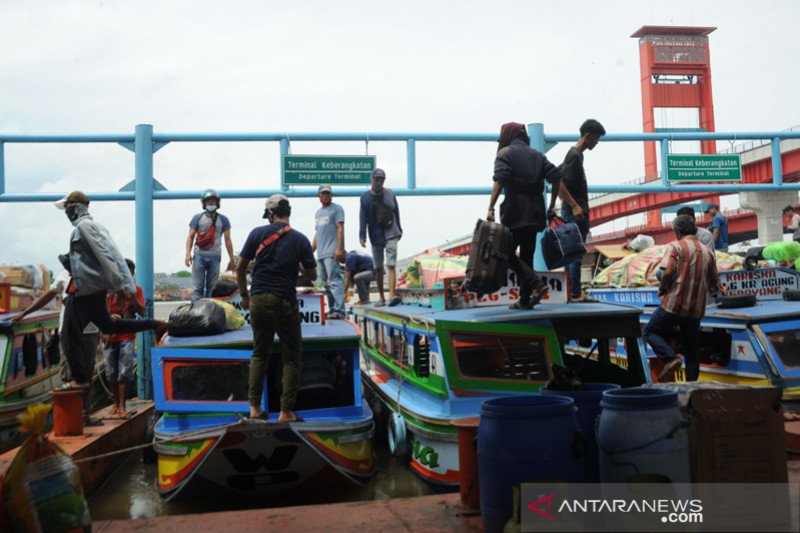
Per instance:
(205,239)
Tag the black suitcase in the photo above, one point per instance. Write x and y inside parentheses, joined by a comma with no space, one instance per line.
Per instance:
(487,267)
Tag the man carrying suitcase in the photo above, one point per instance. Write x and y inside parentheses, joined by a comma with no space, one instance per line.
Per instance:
(521,171)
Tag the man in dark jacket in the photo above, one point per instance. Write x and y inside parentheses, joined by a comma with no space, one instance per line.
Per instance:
(521,171)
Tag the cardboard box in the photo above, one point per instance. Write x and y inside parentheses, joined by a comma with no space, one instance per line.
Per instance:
(737,433)
(18,275)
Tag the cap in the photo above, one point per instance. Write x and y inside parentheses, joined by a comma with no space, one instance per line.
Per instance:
(272,202)
(324,188)
(710,206)
(378,173)
(75,197)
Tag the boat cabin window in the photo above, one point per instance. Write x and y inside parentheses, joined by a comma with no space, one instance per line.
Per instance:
(787,346)
(217,381)
(325,381)
(30,354)
(714,346)
(53,352)
(422,356)
(399,347)
(507,357)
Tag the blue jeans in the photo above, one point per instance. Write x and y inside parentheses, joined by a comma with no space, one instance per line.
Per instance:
(330,274)
(661,328)
(574,269)
(205,272)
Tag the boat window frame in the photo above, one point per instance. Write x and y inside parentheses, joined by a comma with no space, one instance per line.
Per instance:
(789,375)
(456,381)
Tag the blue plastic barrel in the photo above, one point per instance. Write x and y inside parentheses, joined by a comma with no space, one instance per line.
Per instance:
(524,439)
(588,403)
(642,432)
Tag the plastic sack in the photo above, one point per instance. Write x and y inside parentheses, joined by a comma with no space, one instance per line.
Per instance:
(233,318)
(224,288)
(203,317)
(43,485)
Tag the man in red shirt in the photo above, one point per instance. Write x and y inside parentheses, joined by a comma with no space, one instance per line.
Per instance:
(119,349)
(689,273)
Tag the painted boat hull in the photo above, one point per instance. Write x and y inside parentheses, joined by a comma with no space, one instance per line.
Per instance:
(257,459)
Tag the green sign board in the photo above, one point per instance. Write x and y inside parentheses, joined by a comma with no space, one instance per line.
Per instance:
(327,169)
(702,167)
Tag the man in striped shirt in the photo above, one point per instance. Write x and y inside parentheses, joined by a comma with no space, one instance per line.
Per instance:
(689,273)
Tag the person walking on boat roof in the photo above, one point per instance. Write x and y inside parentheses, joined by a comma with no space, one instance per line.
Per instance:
(719,227)
(279,252)
(206,230)
(119,350)
(521,171)
(380,216)
(706,237)
(689,273)
(574,194)
(97,269)
(328,242)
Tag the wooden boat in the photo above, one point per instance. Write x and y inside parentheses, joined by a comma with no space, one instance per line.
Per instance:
(424,367)
(749,345)
(205,445)
(29,368)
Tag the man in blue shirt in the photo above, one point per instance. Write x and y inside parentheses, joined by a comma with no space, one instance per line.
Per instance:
(279,252)
(719,227)
(206,230)
(328,242)
(381,216)
(360,272)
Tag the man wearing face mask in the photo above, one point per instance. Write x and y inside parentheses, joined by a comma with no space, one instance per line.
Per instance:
(328,242)
(205,237)
(97,268)
(278,252)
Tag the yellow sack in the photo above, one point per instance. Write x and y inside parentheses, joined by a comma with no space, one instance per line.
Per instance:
(43,485)
(233,318)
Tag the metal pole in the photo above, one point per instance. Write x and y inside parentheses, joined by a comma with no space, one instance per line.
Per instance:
(664,152)
(284,151)
(777,166)
(536,133)
(2,168)
(144,250)
(411,163)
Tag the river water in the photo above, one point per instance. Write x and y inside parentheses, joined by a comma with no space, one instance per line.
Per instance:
(131,491)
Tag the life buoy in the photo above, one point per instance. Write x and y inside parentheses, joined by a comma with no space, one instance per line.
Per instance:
(791,295)
(396,433)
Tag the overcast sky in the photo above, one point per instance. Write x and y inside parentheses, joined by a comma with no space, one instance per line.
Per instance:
(456,66)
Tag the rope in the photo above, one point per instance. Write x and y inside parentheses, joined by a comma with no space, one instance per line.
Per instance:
(177,438)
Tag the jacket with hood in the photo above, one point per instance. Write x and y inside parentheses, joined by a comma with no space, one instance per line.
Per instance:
(97,265)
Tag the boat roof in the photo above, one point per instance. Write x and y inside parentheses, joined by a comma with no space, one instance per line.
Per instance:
(501,313)
(764,310)
(5,318)
(332,330)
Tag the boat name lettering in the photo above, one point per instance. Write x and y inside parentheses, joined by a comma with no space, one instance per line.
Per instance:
(425,455)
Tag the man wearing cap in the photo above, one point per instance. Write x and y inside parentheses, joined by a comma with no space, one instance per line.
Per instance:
(205,239)
(279,253)
(719,227)
(794,221)
(689,273)
(706,237)
(97,268)
(328,242)
(380,217)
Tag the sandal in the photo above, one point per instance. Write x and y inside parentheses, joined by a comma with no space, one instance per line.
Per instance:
(539,293)
(521,305)
(114,410)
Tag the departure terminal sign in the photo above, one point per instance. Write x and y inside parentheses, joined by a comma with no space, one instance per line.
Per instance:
(327,169)
(702,167)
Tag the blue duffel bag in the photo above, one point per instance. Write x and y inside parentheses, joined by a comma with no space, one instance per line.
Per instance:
(562,243)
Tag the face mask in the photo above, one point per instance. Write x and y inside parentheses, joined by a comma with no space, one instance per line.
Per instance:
(211,208)
(74,211)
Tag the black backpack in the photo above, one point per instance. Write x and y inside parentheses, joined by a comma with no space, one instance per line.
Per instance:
(383,213)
